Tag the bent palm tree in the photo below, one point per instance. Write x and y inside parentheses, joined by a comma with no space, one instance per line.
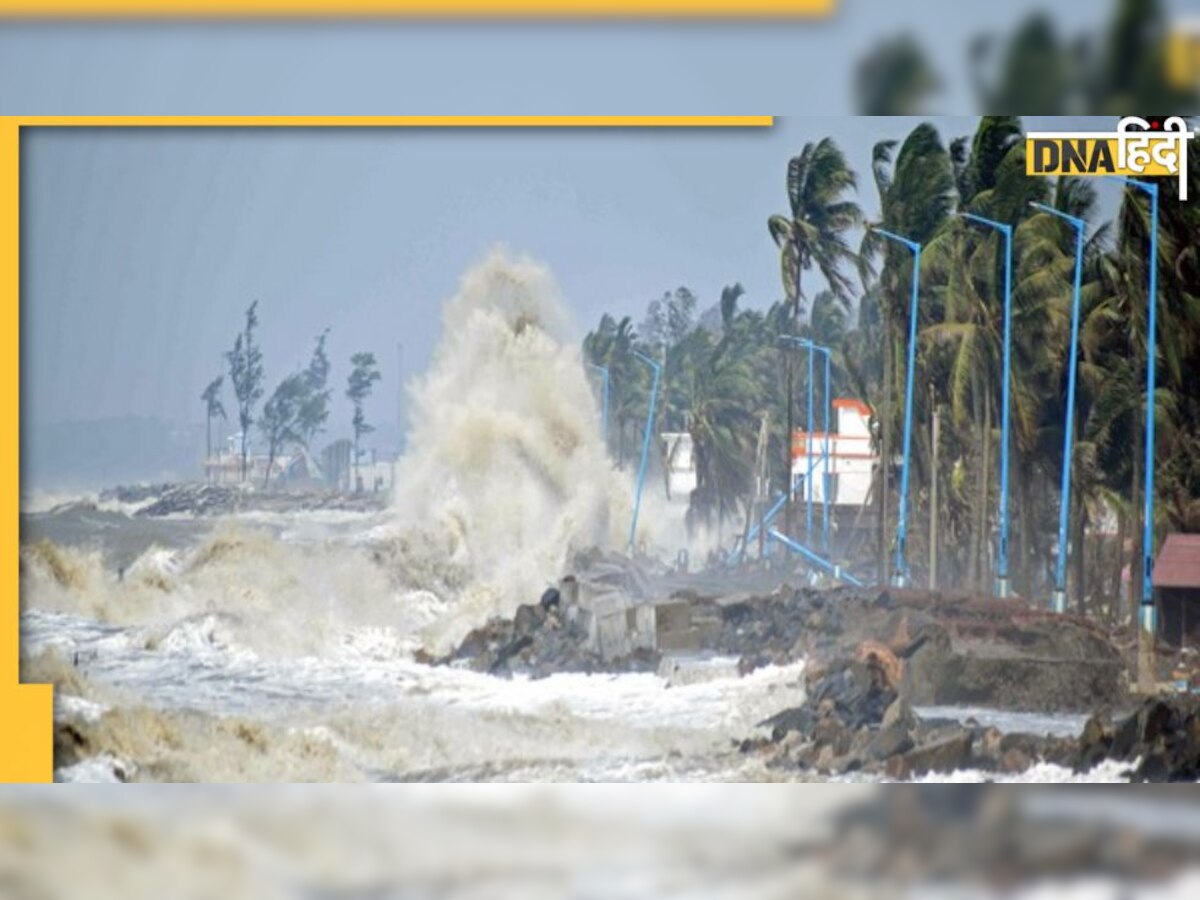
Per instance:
(813,234)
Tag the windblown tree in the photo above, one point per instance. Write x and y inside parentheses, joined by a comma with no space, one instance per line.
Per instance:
(964,344)
(916,194)
(1113,373)
(814,234)
(896,79)
(668,324)
(280,420)
(611,346)
(313,411)
(213,409)
(725,405)
(298,407)
(363,375)
(1042,72)
(246,375)
(725,369)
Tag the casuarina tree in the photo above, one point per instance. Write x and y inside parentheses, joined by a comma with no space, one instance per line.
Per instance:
(280,420)
(246,373)
(363,375)
(213,409)
(313,410)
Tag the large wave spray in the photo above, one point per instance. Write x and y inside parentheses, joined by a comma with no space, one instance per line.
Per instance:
(506,473)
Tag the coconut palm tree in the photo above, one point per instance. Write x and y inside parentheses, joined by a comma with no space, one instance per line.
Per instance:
(916,193)
(814,233)
(611,346)
(725,403)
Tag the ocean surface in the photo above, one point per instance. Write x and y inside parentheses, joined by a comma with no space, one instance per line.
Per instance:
(277,648)
(285,646)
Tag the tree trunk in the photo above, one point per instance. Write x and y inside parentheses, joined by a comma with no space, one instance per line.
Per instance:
(985,473)
(1115,606)
(1134,596)
(933,498)
(1023,573)
(885,452)
(788,372)
(1077,551)
(245,428)
(270,462)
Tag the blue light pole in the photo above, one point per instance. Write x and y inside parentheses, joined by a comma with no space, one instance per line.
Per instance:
(808,491)
(1147,611)
(823,564)
(828,449)
(1059,598)
(900,576)
(825,501)
(1001,589)
(641,476)
(603,372)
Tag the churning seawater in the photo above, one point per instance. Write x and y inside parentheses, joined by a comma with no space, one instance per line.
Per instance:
(283,647)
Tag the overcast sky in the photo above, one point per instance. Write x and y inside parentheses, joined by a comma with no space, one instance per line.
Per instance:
(141,249)
(438,67)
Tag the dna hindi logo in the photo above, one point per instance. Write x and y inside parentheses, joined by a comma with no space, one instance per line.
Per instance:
(1140,147)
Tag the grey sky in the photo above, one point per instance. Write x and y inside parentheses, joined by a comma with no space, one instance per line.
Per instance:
(372,67)
(141,248)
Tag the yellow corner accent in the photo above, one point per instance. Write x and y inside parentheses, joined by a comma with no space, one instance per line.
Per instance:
(27,723)
(459,9)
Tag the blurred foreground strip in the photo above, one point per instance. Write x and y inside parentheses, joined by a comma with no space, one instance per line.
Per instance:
(516,841)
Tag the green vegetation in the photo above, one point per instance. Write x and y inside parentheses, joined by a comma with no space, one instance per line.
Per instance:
(298,408)
(213,409)
(1037,69)
(725,371)
(363,375)
(246,374)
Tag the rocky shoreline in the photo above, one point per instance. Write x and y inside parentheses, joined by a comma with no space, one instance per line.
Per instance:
(856,722)
(873,657)
(199,499)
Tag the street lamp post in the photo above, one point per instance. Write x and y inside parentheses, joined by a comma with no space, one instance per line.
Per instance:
(1059,598)
(1001,587)
(825,500)
(900,576)
(603,373)
(808,491)
(641,476)
(1147,608)
(828,449)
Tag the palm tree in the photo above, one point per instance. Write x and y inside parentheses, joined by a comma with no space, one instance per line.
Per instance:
(213,408)
(895,79)
(915,196)
(1114,341)
(967,340)
(611,346)
(814,234)
(724,403)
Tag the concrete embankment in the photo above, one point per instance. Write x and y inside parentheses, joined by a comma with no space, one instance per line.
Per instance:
(875,657)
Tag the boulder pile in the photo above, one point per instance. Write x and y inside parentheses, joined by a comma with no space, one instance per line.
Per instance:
(856,721)
(539,640)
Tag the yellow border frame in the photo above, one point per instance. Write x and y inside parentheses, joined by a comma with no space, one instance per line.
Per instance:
(26,710)
(429,9)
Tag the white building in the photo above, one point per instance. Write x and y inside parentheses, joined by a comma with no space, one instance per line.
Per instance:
(680,464)
(851,461)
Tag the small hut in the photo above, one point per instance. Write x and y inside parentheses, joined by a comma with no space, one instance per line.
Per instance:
(1176,579)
